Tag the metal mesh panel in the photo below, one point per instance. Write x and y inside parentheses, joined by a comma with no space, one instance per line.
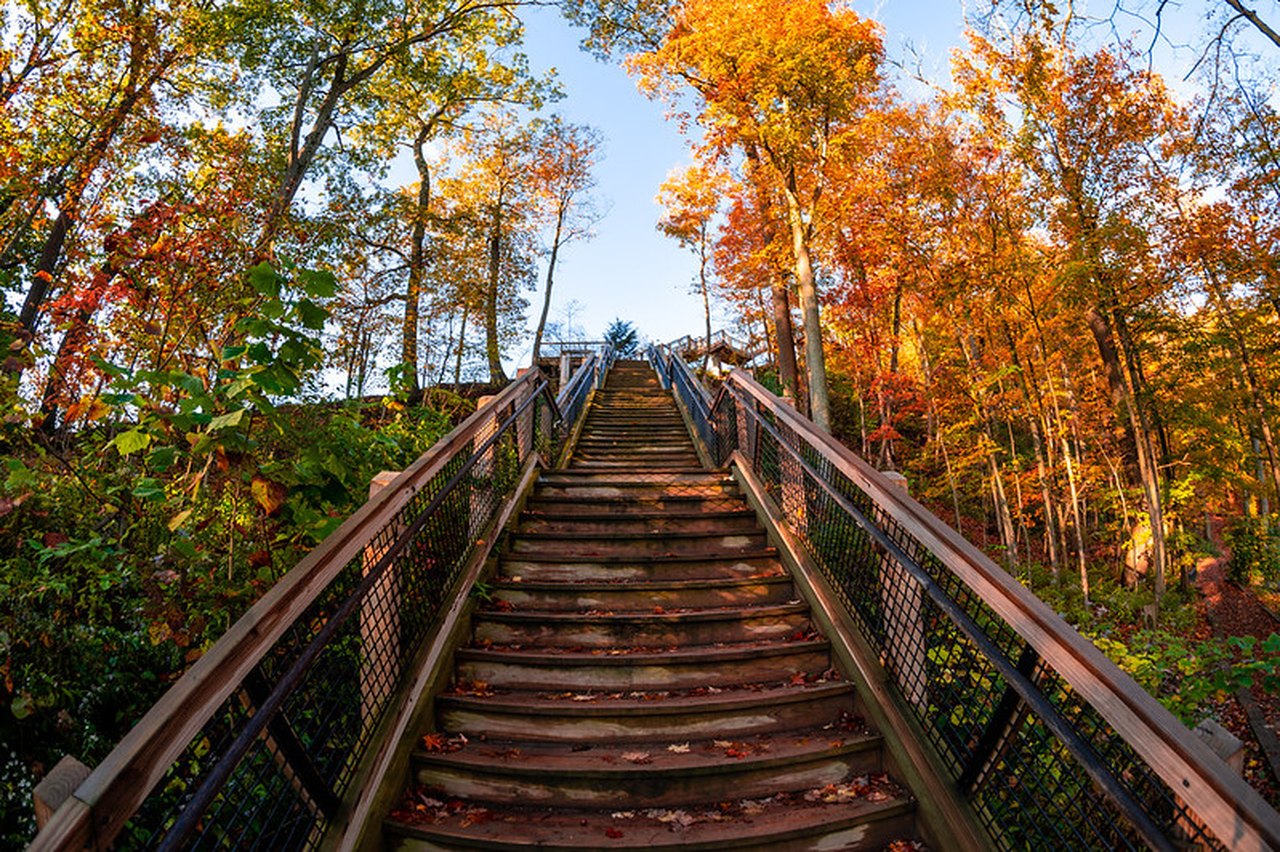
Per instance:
(1042,767)
(256,778)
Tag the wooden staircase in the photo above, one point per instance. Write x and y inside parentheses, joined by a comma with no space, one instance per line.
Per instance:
(642,673)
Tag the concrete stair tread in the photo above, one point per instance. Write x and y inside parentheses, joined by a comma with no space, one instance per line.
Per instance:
(783,822)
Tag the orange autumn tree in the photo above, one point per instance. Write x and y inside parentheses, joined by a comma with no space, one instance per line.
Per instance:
(1086,126)
(691,198)
(789,86)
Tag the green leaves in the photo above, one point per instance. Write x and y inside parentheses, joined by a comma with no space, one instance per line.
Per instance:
(222,421)
(263,278)
(131,441)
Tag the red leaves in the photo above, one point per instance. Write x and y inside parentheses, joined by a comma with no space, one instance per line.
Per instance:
(613,833)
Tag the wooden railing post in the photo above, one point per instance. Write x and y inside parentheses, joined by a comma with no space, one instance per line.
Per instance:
(902,602)
(56,787)
(379,619)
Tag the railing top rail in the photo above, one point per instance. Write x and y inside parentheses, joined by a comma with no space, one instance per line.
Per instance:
(1229,806)
(107,799)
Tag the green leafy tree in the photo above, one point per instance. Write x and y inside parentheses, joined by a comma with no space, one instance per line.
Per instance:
(621,335)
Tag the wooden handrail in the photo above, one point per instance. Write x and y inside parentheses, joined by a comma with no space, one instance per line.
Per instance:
(109,797)
(1223,801)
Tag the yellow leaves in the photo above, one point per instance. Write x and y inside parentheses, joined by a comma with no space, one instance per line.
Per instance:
(267,494)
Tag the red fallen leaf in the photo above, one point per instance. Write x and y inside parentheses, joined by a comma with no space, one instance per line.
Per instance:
(796,679)
(612,832)
(736,753)
(433,742)
(503,605)
(657,610)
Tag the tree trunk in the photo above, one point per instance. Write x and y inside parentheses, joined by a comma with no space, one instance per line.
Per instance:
(462,348)
(706,297)
(815,360)
(784,332)
(492,346)
(1031,394)
(1125,400)
(551,268)
(302,155)
(417,263)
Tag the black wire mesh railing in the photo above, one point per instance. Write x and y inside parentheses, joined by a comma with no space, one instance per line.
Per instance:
(273,763)
(1042,766)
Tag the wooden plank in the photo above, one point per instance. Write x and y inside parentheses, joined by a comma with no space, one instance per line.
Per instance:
(1233,810)
(118,785)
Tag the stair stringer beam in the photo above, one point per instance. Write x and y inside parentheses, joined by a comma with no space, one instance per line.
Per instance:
(946,820)
(381,777)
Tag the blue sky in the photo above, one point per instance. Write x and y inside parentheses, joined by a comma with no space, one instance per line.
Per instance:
(629,270)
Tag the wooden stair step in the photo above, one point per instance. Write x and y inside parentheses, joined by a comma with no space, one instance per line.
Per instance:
(682,668)
(703,626)
(562,775)
(641,595)
(649,523)
(638,545)
(638,491)
(787,823)
(592,717)
(625,569)
(673,505)
(636,478)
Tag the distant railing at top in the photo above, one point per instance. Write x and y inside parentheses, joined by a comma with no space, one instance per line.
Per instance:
(1053,745)
(258,744)
(553,349)
(690,345)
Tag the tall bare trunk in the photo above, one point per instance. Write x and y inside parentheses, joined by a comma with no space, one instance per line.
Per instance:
(492,346)
(551,270)
(417,262)
(815,360)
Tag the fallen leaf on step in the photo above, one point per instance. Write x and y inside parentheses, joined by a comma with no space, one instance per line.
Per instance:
(674,820)
(678,748)
(612,832)
(624,814)
(637,757)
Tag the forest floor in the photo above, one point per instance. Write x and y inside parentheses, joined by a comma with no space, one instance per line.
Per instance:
(1253,715)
